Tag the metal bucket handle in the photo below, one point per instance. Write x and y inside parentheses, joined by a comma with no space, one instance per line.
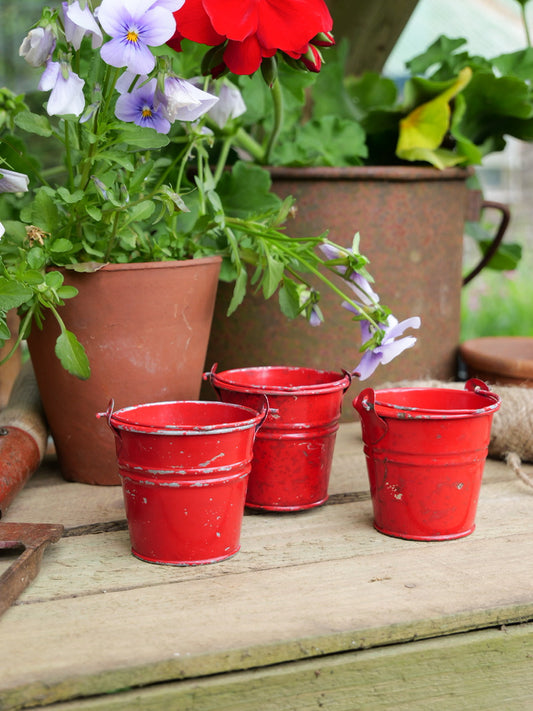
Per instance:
(374,427)
(267,408)
(480,387)
(108,415)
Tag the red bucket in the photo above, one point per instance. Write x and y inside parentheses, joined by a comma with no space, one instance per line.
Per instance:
(184,469)
(425,452)
(294,448)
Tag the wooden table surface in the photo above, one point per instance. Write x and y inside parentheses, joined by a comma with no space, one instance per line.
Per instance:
(317,610)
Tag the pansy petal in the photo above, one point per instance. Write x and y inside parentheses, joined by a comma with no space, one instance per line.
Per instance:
(396,329)
(389,351)
(368,364)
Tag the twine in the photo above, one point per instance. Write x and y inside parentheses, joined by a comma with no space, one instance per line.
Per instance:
(511,437)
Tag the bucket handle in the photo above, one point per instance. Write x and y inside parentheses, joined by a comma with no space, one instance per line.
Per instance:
(480,387)
(374,427)
(108,414)
(265,411)
(350,378)
(267,408)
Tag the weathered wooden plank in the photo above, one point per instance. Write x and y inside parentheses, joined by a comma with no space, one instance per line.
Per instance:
(86,565)
(479,670)
(49,499)
(94,644)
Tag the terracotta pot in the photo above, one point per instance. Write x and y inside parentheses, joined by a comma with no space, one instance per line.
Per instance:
(145,328)
(500,360)
(411,223)
(10,369)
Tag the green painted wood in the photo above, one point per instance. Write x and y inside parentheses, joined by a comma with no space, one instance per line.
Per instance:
(475,671)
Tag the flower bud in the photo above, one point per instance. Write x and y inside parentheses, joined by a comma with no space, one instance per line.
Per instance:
(269,70)
(38,46)
(312,59)
(13,182)
(323,39)
(213,61)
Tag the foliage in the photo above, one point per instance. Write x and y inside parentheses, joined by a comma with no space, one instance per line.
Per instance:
(126,161)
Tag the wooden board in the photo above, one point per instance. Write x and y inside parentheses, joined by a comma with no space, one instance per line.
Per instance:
(304,585)
(479,670)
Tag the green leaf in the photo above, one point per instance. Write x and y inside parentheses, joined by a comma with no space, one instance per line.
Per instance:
(54,279)
(13,294)
(34,277)
(94,212)
(239,292)
(143,137)
(72,355)
(36,258)
(34,123)
(118,157)
(66,291)
(59,246)
(507,257)
(423,130)
(245,191)
(440,51)
(272,276)
(44,212)
(142,211)
(289,299)
(70,198)
(326,141)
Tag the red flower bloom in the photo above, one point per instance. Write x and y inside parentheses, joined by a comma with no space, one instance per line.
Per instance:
(252,29)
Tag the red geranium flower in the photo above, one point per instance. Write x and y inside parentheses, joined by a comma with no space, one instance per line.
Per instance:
(252,29)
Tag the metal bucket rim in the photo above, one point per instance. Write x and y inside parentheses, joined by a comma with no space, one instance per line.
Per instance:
(126,425)
(339,381)
(391,410)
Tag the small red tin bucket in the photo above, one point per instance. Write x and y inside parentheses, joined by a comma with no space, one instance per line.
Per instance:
(425,452)
(294,448)
(184,469)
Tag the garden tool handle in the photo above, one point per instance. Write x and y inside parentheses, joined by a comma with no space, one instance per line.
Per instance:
(497,240)
(23,436)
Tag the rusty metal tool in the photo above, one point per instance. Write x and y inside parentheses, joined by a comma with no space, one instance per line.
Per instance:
(23,438)
(33,539)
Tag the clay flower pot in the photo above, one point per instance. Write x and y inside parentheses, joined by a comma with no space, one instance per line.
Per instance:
(145,329)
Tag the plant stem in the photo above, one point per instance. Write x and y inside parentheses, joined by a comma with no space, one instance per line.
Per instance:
(524,22)
(222,159)
(21,334)
(250,145)
(277,97)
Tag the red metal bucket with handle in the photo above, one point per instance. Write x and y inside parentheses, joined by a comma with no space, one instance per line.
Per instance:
(184,470)
(293,450)
(425,452)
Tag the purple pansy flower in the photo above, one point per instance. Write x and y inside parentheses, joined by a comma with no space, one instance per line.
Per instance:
(79,22)
(138,108)
(182,101)
(37,46)
(134,26)
(390,347)
(13,182)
